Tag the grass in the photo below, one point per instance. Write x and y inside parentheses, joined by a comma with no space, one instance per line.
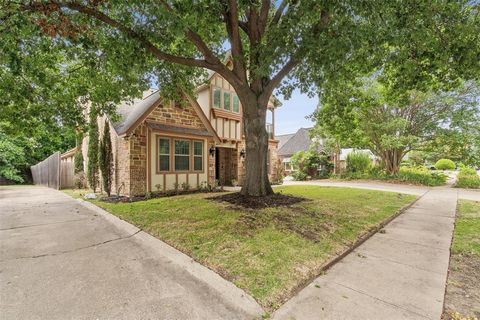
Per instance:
(467,229)
(269,252)
(462,300)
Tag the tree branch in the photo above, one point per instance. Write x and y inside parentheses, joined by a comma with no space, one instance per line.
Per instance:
(275,81)
(232,24)
(147,45)
(279,12)
(263,18)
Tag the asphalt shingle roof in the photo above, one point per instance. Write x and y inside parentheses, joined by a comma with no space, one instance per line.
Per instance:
(282,139)
(131,111)
(300,141)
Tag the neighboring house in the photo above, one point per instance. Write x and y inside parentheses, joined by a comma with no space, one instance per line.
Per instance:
(159,145)
(289,144)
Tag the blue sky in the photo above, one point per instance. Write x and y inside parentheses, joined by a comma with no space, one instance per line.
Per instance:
(291,115)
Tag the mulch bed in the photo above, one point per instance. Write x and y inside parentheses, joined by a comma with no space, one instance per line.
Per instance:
(274,200)
(153,195)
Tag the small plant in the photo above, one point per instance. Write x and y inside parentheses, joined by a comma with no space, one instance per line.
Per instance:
(148,195)
(203,186)
(445,164)
(185,186)
(80,181)
(158,186)
(176,187)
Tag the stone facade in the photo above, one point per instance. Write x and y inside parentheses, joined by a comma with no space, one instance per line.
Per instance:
(138,160)
(182,116)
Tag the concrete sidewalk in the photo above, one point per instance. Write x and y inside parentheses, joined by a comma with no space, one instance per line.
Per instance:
(399,274)
(62,260)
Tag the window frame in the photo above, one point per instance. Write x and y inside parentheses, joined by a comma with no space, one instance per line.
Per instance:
(233,103)
(220,106)
(196,156)
(169,154)
(191,157)
(182,155)
(225,92)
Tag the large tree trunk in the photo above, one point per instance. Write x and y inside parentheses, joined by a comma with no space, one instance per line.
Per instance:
(254,119)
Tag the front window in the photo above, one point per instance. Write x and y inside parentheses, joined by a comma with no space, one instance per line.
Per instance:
(236,104)
(197,155)
(226,100)
(164,154)
(216,97)
(182,155)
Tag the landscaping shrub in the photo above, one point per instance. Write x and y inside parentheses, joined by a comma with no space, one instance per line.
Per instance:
(468,178)
(421,175)
(310,164)
(299,175)
(105,159)
(78,161)
(416,175)
(358,162)
(92,154)
(445,164)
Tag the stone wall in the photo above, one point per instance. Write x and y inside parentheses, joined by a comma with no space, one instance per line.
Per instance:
(138,160)
(183,116)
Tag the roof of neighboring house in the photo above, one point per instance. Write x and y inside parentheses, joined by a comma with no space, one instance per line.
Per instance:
(299,141)
(283,138)
(131,111)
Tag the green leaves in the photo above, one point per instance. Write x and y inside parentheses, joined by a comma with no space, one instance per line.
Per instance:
(12,158)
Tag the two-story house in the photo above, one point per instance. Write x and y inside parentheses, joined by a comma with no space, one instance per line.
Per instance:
(158,145)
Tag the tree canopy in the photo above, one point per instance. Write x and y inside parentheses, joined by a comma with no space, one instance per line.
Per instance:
(370,116)
(274,45)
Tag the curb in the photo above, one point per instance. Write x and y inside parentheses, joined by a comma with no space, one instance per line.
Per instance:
(235,296)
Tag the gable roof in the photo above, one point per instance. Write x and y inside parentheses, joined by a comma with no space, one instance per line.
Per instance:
(283,138)
(299,141)
(132,113)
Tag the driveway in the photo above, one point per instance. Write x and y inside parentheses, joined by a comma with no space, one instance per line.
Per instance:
(62,260)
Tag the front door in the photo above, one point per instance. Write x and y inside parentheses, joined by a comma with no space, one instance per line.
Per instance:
(224,166)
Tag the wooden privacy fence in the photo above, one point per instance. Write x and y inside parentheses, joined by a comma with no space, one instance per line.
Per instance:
(53,173)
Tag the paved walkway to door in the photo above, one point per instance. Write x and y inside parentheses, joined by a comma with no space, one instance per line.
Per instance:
(398,274)
(61,260)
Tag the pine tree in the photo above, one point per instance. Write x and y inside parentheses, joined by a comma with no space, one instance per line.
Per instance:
(92,166)
(105,158)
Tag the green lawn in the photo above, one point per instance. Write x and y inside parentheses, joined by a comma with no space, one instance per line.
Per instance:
(467,228)
(462,299)
(267,252)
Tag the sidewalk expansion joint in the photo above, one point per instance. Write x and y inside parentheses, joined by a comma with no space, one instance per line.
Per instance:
(42,224)
(74,250)
(381,300)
